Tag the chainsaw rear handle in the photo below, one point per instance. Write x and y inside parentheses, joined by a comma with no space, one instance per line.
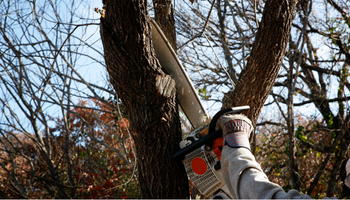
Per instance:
(211,136)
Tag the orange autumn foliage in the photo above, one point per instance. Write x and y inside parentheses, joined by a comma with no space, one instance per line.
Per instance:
(86,168)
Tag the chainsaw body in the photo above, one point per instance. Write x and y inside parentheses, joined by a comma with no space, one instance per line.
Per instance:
(201,153)
(203,168)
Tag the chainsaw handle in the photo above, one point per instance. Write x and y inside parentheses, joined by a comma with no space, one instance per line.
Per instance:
(204,140)
(233,110)
(211,136)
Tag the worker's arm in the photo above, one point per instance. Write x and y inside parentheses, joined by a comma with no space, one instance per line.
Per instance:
(242,174)
(246,180)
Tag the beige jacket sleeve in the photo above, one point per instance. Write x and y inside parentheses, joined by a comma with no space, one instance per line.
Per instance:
(246,180)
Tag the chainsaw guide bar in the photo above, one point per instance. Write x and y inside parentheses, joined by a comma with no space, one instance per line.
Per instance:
(187,94)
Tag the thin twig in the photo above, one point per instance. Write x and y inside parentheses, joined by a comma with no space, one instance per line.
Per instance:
(201,33)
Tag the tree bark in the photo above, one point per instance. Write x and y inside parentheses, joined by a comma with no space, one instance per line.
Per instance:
(164,16)
(149,96)
(258,77)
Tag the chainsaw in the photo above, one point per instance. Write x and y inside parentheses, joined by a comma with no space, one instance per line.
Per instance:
(200,151)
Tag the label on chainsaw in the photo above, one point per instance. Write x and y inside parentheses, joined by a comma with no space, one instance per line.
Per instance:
(199,166)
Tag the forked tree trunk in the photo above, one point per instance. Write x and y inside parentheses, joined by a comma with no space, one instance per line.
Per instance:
(148,94)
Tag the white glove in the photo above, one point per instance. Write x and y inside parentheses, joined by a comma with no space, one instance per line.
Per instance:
(236,130)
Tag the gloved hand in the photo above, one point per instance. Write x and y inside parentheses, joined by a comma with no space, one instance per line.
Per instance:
(236,130)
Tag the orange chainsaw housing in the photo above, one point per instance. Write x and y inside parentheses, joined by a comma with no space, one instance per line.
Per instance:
(217,147)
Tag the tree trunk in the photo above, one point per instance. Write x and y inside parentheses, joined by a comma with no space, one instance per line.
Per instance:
(258,77)
(149,96)
(164,16)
